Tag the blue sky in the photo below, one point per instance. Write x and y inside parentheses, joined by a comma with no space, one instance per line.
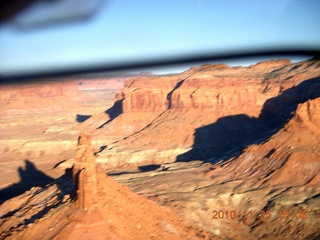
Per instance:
(126,30)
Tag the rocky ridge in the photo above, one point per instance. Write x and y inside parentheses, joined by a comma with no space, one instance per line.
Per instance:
(195,155)
(237,104)
(86,204)
(38,116)
(273,188)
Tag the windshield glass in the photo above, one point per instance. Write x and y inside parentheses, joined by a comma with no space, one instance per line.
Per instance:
(115,32)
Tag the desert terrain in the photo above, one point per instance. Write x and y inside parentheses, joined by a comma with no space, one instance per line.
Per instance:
(216,152)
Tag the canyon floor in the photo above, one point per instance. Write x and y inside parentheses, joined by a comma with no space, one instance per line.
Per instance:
(216,152)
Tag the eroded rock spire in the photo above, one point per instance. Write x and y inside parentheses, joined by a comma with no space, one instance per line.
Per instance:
(84,173)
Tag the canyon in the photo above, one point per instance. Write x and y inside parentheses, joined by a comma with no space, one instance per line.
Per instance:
(100,209)
(196,146)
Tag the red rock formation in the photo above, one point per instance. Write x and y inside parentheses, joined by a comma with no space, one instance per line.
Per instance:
(161,113)
(271,63)
(293,151)
(104,209)
(47,96)
(256,128)
(143,93)
(277,173)
(54,94)
(84,173)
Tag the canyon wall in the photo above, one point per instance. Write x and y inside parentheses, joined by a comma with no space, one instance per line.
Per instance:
(38,117)
(160,114)
(46,95)
(85,203)
(211,139)
(215,87)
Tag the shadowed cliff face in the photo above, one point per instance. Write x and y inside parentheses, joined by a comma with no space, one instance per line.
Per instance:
(30,177)
(84,173)
(228,136)
(212,139)
(279,173)
(101,209)
(210,112)
(264,166)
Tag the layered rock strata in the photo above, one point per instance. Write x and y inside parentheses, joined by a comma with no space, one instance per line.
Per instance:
(100,209)
(38,117)
(158,115)
(84,173)
(270,191)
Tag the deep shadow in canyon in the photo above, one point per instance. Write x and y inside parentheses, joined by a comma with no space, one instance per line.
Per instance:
(143,168)
(65,185)
(81,118)
(230,135)
(148,168)
(113,112)
(30,177)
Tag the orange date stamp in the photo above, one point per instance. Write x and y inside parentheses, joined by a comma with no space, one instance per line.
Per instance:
(263,214)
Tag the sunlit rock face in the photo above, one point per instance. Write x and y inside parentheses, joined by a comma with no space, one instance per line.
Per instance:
(213,108)
(233,151)
(84,173)
(87,204)
(268,190)
(38,120)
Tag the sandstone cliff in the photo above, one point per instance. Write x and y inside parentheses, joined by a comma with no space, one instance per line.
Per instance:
(89,205)
(46,96)
(272,187)
(212,139)
(38,117)
(158,115)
